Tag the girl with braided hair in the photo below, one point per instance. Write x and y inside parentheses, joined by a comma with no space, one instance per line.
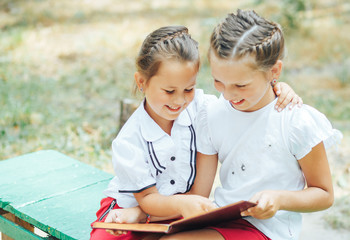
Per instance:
(276,160)
(154,154)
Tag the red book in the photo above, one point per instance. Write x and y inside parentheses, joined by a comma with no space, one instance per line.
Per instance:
(213,217)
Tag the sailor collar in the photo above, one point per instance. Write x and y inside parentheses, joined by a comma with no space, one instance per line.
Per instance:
(151,131)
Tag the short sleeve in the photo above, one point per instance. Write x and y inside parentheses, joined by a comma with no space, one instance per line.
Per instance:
(204,142)
(307,128)
(130,166)
(201,99)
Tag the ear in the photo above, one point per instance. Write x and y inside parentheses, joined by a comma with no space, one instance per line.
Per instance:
(140,80)
(276,69)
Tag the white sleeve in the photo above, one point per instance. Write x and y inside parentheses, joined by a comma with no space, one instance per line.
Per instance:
(130,166)
(309,127)
(201,99)
(204,143)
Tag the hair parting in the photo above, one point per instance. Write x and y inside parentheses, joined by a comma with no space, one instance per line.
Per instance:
(247,34)
(166,43)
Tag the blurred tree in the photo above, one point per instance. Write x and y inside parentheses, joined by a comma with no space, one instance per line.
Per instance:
(290,14)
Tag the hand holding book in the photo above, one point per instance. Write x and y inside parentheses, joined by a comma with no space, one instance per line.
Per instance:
(212,217)
(190,205)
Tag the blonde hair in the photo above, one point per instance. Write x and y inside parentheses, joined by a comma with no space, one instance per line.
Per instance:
(248,34)
(166,43)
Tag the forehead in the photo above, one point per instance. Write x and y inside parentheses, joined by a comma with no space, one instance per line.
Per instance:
(224,69)
(176,73)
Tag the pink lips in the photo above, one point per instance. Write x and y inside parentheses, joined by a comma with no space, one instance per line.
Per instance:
(174,109)
(237,103)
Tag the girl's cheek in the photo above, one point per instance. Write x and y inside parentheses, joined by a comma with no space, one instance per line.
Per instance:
(189,97)
(219,87)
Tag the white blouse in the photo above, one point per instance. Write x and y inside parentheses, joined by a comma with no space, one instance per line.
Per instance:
(144,155)
(260,151)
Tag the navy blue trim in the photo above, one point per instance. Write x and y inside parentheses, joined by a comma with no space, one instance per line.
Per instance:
(111,206)
(150,155)
(150,152)
(137,191)
(156,157)
(193,153)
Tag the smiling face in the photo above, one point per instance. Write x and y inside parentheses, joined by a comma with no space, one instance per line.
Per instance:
(246,88)
(170,90)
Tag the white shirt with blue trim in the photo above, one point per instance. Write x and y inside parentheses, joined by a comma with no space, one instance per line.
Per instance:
(144,155)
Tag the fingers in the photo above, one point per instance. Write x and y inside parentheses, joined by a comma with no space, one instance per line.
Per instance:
(116,232)
(286,95)
(267,206)
(109,218)
(112,217)
(208,205)
(298,101)
(211,206)
(284,100)
(277,88)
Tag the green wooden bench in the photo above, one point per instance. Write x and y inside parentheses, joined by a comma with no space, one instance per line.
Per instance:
(49,191)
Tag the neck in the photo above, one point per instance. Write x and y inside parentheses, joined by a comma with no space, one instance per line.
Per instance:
(266,99)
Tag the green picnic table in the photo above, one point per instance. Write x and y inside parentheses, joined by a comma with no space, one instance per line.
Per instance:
(50,191)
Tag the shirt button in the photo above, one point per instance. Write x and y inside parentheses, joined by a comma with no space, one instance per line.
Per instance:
(172,182)
(172,158)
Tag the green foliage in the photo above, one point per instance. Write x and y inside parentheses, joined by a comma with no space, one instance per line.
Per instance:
(290,12)
(343,73)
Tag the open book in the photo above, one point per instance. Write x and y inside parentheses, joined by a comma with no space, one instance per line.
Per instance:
(218,215)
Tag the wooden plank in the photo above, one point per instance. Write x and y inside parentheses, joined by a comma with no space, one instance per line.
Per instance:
(47,174)
(53,192)
(15,231)
(15,220)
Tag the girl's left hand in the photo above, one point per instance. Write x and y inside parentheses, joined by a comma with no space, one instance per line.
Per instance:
(126,215)
(285,96)
(267,205)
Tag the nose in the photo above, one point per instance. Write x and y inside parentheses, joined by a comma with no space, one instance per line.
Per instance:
(229,94)
(179,99)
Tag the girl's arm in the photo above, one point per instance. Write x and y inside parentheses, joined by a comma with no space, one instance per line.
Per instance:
(317,196)
(159,205)
(206,166)
(285,96)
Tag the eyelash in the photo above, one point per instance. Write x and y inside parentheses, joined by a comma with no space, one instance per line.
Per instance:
(172,91)
(239,86)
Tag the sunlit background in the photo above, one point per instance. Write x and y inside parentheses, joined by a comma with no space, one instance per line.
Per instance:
(66,65)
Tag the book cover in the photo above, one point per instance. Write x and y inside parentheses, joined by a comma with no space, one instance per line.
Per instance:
(216,216)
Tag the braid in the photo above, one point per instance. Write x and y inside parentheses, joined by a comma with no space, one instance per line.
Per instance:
(246,33)
(174,35)
(170,42)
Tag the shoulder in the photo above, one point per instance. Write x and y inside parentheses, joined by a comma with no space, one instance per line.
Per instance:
(304,116)
(200,99)
(306,128)
(217,109)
